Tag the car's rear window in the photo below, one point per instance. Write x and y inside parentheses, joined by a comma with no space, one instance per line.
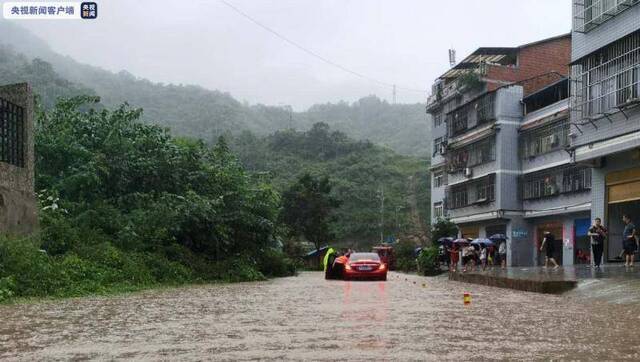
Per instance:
(364,256)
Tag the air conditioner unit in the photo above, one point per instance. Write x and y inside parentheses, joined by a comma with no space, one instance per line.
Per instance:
(468,172)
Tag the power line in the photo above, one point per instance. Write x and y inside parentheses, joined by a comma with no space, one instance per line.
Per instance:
(316,55)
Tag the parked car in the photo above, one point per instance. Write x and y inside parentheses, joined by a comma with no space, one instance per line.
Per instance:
(365,266)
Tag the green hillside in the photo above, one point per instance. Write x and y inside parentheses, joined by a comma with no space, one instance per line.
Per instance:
(194,111)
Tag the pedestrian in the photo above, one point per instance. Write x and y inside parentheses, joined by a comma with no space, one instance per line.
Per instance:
(549,247)
(598,233)
(483,257)
(491,252)
(455,257)
(629,240)
(468,257)
(502,253)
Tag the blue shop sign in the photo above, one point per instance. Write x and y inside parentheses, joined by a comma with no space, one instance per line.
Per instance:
(519,233)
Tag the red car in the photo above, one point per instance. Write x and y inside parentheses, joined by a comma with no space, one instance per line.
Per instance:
(365,266)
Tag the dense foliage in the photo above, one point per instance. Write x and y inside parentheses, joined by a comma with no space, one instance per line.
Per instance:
(427,261)
(443,228)
(307,208)
(126,205)
(359,171)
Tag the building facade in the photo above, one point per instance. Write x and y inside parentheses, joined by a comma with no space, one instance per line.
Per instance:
(478,118)
(18,206)
(605,112)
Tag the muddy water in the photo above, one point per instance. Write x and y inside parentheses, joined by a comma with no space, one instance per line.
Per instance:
(306,317)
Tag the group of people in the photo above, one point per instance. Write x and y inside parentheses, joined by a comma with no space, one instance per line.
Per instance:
(598,233)
(475,255)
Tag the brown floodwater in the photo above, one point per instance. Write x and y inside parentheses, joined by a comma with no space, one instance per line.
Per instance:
(308,318)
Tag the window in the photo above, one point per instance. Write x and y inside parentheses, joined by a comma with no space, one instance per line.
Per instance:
(545,139)
(12,138)
(439,179)
(473,155)
(555,182)
(472,114)
(589,14)
(607,80)
(436,145)
(474,192)
(438,210)
(437,120)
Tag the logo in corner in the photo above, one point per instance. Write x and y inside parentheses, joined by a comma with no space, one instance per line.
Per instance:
(88,10)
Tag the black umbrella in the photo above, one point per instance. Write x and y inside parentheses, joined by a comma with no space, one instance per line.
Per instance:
(445,240)
(498,237)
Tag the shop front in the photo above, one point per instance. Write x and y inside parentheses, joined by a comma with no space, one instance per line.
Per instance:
(623,197)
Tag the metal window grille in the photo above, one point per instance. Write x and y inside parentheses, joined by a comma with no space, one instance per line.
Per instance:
(607,80)
(439,179)
(437,120)
(436,145)
(545,139)
(473,155)
(12,134)
(589,14)
(472,114)
(475,192)
(555,182)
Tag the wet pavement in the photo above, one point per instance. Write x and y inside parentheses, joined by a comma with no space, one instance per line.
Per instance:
(308,318)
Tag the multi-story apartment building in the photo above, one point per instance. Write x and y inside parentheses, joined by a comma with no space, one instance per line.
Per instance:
(605,112)
(477,111)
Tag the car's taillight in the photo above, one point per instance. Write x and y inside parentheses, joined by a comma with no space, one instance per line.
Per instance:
(347,266)
(382,266)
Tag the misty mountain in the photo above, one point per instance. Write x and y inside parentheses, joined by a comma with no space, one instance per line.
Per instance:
(194,111)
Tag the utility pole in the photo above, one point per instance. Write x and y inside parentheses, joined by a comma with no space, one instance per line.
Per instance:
(381,214)
(394,94)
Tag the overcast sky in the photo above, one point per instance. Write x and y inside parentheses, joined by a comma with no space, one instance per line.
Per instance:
(206,43)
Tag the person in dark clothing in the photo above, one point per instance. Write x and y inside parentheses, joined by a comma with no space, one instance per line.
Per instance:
(549,247)
(629,240)
(598,233)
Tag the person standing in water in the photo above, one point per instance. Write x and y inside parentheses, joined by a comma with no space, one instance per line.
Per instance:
(549,247)
(629,241)
(598,233)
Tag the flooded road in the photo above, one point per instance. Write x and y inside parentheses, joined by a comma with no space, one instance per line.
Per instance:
(306,317)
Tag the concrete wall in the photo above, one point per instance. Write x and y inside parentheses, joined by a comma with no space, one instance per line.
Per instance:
(18,206)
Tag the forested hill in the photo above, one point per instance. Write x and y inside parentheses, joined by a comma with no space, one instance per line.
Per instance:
(194,111)
(359,170)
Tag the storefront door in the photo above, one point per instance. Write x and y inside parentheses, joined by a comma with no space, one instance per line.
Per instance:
(554,228)
(623,197)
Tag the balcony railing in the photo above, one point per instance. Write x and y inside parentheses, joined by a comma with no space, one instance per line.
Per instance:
(589,14)
(473,193)
(556,182)
(472,114)
(12,134)
(473,155)
(606,81)
(545,139)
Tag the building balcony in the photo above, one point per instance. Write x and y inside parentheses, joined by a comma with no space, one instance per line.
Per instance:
(589,14)
(477,192)
(555,182)
(472,155)
(475,113)
(606,82)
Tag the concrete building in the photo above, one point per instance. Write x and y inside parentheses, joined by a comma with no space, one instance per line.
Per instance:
(477,110)
(605,117)
(18,206)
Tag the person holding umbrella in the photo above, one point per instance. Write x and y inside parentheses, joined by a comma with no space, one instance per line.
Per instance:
(501,240)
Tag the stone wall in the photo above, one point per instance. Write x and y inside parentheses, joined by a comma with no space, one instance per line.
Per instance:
(18,205)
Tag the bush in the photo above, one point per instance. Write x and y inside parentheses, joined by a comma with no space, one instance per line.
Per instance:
(274,263)
(7,288)
(405,256)
(428,261)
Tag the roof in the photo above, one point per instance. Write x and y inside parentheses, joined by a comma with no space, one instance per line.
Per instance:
(492,55)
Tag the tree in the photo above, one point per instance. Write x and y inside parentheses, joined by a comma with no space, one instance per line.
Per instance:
(307,209)
(443,228)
